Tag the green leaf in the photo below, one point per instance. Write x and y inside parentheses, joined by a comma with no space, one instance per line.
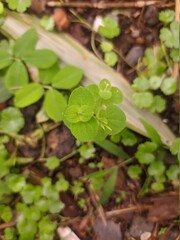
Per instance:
(157,186)
(4,93)
(116,120)
(19,5)
(134,171)
(158,105)
(1,8)
(5,213)
(152,133)
(25,42)
(16,182)
(10,233)
(110,28)
(47,23)
(116,97)
(111,58)
(155,82)
(67,78)
(16,76)
(106,46)
(140,84)
(128,138)
(85,131)
(54,104)
(173,172)
(175,54)
(62,185)
(170,36)
(11,120)
(40,58)
(28,95)
(46,75)
(52,163)
(156,168)
(169,86)
(6,59)
(142,100)
(145,157)
(167,16)
(109,186)
(175,148)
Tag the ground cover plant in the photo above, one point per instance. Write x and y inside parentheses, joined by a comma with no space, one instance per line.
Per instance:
(66,156)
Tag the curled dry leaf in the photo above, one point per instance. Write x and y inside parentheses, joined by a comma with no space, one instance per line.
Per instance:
(61,19)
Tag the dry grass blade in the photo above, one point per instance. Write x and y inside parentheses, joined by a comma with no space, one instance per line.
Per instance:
(71,52)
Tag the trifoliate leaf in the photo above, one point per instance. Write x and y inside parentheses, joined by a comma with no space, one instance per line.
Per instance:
(158,105)
(134,171)
(170,36)
(142,100)
(16,76)
(106,46)
(25,42)
(167,16)
(169,86)
(19,5)
(54,104)
(110,28)
(28,95)
(111,58)
(11,120)
(42,58)
(140,84)
(67,77)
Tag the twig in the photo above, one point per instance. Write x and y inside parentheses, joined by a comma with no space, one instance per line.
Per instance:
(107,5)
(117,212)
(5,225)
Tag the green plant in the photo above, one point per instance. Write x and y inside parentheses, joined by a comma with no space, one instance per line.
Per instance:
(98,116)
(109,28)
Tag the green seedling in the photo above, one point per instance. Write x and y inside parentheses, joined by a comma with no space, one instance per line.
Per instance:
(109,28)
(86,151)
(134,171)
(167,16)
(18,5)
(98,116)
(47,23)
(1,8)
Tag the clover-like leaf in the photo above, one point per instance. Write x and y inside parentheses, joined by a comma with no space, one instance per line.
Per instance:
(46,75)
(6,58)
(19,5)
(110,28)
(156,168)
(169,86)
(142,99)
(54,104)
(155,82)
(111,58)
(106,46)
(4,93)
(134,171)
(28,95)
(175,54)
(158,105)
(167,16)
(11,120)
(67,77)
(140,84)
(52,163)
(170,36)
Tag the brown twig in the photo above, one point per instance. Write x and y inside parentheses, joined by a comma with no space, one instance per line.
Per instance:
(5,225)
(118,212)
(107,5)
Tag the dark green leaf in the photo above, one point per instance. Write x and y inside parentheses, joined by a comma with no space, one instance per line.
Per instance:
(109,186)
(67,78)
(28,95)
(54,104)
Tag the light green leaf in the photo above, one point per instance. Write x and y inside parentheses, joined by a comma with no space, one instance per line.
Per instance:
(167,16)
(54,104)
(128,138)
(111,58)
(169,86)
(175,54)
(156,168)
(142,100)
(134,171)
(175,148)
(16,76)
(4,93)
(157,186)
(16,182)
(28,95)
(67,78)
(40,58)
(47,23)
(11,120)
(140,84)
(155,82)
(109,186)
(110,28)
(152,132)
(25,42)
(106,46)
(46,75)
(116,120)
(19,5)
(158,105)
(85,131)
(5,58)
(173,172)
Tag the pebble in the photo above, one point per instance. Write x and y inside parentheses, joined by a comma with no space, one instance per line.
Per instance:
(134,54)
(151,16)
